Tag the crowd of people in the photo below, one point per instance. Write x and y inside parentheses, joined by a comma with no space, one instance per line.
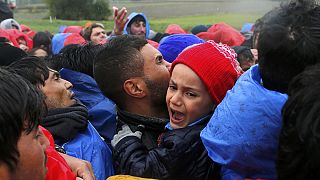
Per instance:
(131,103)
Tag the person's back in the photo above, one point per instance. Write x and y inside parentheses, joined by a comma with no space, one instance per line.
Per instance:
(243,133)
(298,156)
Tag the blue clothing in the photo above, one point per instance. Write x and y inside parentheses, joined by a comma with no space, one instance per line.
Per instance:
(126,29)
(89,146)
(247,27)
(102,111)
(243,132)
(58,42)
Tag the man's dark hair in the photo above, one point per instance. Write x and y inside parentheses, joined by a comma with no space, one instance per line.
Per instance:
(22,106)
(32,69)
(136,19)
(260,23)
(118,61)
(299,145)
(42,40)
(76,57)
(243,54)
(86,33)
(288,42)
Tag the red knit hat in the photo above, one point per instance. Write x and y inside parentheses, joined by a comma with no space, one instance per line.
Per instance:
(215,64)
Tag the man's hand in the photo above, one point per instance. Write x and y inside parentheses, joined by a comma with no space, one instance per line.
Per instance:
(124,132)
(120,19)
(82,169)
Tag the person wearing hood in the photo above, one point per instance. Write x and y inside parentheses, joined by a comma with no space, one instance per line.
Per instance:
(134,24)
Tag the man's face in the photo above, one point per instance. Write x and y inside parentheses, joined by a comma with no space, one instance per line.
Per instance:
(57,91)
(98,35)
(32,160)
(40,53)
(156,74)
(138,28)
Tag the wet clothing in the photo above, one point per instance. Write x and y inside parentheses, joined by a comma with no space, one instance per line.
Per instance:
(83,143)
(126,29)
(153,126)
(56,164)
(243,132)
(180,155)
(102,111)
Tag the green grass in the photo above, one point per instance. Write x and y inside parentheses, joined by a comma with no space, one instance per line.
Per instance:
(159,25)
(235,20)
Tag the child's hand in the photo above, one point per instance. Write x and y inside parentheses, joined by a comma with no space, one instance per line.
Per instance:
(124,132)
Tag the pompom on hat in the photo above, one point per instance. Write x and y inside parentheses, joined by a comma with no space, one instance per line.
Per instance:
(215,64)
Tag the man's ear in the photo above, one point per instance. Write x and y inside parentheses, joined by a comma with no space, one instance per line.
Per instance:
(135,87)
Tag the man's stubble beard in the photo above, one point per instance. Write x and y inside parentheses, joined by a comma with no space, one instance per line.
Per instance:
(158,92)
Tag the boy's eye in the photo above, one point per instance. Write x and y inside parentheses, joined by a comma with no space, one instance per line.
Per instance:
(172,87)
(191,94)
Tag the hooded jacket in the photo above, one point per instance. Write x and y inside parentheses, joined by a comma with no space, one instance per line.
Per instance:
(179,155)
(58,42)
(84,142)
(102,111)
(153,126)
(89,146)
(126,29)
(243,132)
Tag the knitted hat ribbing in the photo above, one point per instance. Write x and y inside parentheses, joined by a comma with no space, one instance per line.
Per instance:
(215,64)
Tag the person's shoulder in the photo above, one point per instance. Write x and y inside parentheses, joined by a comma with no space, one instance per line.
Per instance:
(187,135)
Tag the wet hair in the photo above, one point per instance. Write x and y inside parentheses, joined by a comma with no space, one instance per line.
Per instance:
(42,40)
(299,144)
(77,58)
(288,42)
(136,19)
(243,54)
(86,33)
(260,23)
(31,68)
(22,106)
(118,61)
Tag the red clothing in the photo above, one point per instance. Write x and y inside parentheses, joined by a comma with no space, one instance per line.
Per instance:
(58,168)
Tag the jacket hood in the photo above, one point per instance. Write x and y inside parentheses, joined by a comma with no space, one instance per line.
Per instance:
(133,15)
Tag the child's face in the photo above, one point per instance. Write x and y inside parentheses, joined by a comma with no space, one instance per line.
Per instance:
(187,97)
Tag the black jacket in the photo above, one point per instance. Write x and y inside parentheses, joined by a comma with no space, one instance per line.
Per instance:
(180,155)
(151,127)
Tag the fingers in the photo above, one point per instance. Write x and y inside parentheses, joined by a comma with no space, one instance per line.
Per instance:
(115,11)
(119,14)
(85,171)
(88,175)
(122,13)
